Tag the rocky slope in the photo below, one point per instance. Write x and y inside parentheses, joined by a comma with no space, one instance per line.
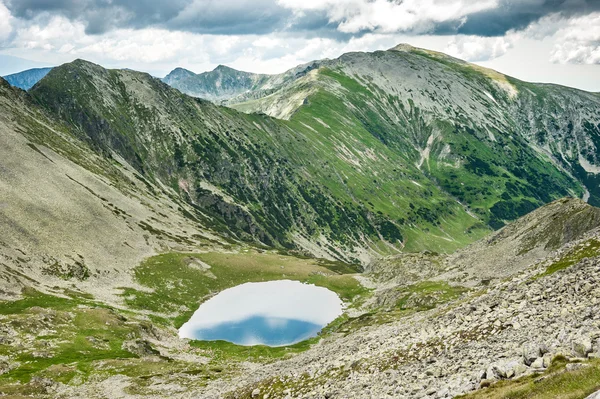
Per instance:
(219,84)
(399,161)
(505,330)
(535,331)
(70,216)
(26,79)
(229,86)
(452,113)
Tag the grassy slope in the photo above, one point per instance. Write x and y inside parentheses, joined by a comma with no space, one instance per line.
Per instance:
(178,282)
(344,171)
(378,175)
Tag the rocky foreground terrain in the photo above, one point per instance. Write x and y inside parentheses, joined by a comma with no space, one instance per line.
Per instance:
(514,327)
(534,332)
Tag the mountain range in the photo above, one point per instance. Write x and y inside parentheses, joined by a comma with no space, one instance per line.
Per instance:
(121,190)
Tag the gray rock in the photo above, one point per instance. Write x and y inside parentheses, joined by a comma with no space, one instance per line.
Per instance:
(582,347)
(532,351)
(595,395)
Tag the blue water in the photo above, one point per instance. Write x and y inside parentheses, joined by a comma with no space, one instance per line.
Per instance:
(259,330)
(273,313)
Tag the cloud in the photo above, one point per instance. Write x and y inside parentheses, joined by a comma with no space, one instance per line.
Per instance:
(339,19)
(518,15)
(478,48)
(5,22)
(578,41)
(99,16)
(386,16)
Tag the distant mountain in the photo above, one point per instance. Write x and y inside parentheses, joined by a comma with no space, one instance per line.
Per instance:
(219,84)
(227,85)
(27,79)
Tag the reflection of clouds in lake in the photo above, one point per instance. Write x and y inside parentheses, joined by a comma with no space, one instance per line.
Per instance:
(275,322)
(272,313)
(258,330)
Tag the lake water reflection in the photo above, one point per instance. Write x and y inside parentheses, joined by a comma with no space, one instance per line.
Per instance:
(273,313)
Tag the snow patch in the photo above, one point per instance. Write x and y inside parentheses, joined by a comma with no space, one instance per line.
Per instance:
(587,166)
(490,97)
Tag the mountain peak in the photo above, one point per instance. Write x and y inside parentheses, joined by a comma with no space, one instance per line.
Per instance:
(224,68)
(403,47)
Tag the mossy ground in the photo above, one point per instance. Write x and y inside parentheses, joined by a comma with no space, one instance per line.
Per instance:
(70,339)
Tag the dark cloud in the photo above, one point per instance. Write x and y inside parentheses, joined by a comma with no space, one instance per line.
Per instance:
(517,15)
(225,17)
(230,17)
(266,16)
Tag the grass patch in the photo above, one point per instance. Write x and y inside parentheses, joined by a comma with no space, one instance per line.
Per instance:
(224,351)
(81,334)
(556,383)
(181,281)
(427,295)
(589,249)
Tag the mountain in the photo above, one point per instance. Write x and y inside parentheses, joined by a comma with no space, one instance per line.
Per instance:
(226,85)
(126,203)
(219,84)
(26,79)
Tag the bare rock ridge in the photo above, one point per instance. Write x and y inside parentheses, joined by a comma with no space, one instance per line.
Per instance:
(534,236)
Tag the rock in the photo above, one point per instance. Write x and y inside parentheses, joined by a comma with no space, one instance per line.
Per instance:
(256,392)
(532,351)
(582,347)
(510,367)
(538,363)
(594,396)
(575,366)
(139,347)
(495,372)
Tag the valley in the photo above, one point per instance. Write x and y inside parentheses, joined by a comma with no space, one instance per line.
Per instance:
(441,202)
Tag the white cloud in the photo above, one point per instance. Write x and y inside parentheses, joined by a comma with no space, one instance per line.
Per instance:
(477,48)
(578,41)
(5,22)
(383,16)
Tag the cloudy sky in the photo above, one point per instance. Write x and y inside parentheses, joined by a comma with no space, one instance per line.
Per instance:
(538,40)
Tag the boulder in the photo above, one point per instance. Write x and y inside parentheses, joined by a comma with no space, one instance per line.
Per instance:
(582,347)
(532,351)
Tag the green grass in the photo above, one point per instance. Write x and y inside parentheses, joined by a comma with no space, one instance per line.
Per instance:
(178,282)
(588,249)
(226,351)
(555,383)
(82,334)
(428,295)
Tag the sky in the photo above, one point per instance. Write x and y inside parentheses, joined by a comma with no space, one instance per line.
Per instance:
(556,41)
